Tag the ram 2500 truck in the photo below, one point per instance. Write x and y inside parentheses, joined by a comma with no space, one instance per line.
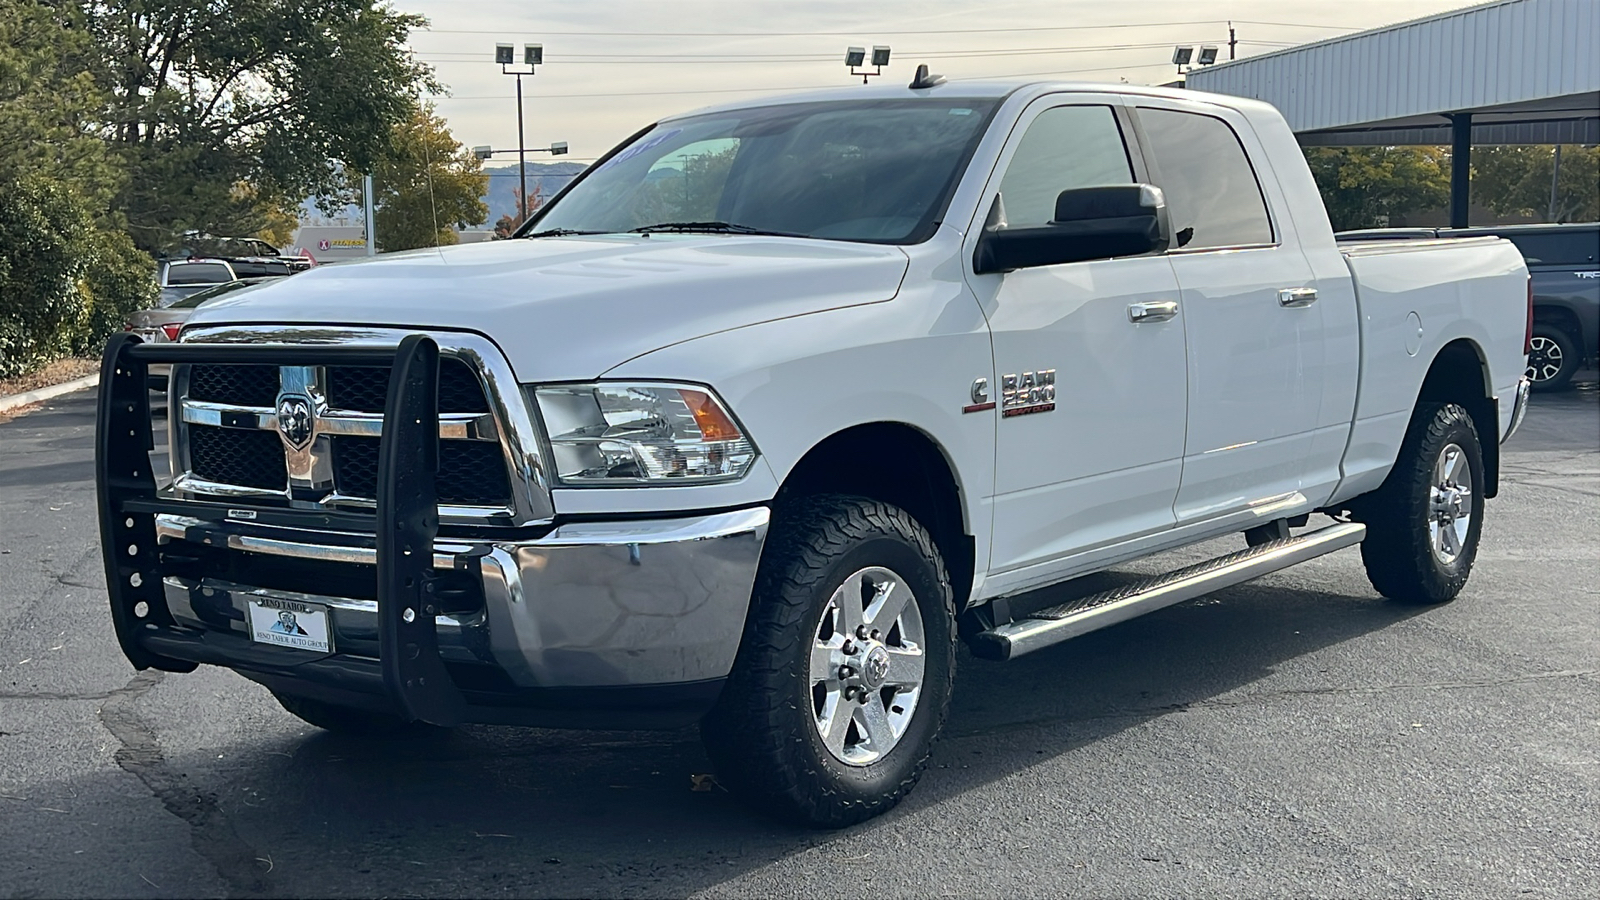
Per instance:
(777,402)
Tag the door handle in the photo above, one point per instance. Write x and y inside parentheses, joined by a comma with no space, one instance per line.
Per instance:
(1153,311)
(1295,298)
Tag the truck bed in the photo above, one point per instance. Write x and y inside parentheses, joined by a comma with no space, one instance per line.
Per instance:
(1414,298)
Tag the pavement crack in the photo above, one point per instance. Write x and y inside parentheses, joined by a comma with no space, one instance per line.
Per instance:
(53,695)
(212,836)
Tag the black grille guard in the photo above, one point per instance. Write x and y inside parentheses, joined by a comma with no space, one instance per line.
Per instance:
(404,524)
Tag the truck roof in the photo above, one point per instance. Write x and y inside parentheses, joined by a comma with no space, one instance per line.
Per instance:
(976,89)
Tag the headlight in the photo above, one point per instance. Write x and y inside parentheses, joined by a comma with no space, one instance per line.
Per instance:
(641,434)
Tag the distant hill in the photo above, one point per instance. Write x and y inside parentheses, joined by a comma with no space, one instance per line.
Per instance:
(549,177)
(546,177)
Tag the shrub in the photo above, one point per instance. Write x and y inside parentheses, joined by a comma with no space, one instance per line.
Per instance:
(65,284)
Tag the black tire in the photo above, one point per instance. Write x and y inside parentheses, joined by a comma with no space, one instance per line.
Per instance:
(1554,360)
(354,722)
(1399,552)
(763,736)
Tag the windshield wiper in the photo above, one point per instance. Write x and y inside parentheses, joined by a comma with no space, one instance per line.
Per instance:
(561,232)
(713,227)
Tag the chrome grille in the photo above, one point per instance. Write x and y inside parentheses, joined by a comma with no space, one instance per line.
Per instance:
(231,446)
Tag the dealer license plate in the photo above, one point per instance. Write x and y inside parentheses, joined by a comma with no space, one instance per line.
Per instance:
(289,623)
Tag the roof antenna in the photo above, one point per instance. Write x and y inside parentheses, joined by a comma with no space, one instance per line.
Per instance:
(924,80)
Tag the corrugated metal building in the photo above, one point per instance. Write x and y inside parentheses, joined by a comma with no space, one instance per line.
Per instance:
(1511,71)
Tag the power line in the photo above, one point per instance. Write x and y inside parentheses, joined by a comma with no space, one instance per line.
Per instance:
(620,59)
(854,33)
(807,87)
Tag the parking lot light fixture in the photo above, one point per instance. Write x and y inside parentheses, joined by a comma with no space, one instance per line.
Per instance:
(532,56)
(1208,55)
(856,57)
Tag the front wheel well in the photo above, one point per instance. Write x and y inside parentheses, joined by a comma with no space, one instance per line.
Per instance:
(897,464)
(1459,374)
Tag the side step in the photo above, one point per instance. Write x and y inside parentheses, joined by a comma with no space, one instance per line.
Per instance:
(1085,614)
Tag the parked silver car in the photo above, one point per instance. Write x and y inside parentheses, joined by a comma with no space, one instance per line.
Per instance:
(161,324)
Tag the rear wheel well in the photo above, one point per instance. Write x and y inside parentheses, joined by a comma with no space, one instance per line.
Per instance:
(896,464)
(1562,318)
(1460,375)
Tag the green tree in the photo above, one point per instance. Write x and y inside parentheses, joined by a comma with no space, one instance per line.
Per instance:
(425,183)
(1514,180)
(282,95)
(68,276)
(1363,187)
(50,100)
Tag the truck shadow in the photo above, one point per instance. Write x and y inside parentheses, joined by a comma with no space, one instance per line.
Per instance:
(534,812)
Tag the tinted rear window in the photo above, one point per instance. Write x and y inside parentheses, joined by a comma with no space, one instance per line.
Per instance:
(198,273)
(1573,248)
(1212,193)
(258,269)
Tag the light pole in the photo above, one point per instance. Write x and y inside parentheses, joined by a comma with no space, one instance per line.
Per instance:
(556,148)
(856,57)
(532,55)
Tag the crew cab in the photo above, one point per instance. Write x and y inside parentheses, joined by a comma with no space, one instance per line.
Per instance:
(779,401)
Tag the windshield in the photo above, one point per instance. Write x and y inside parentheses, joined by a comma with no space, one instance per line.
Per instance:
(879,171)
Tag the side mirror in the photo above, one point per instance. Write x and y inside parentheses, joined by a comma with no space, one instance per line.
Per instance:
(1090,223)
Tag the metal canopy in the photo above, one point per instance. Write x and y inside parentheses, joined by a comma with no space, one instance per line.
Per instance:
(1509,71)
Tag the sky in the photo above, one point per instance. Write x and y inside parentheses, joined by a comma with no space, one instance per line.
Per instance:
(614,66)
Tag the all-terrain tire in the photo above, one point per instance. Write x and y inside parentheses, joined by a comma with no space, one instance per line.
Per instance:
(763,735)
(354,722)
(1400,552)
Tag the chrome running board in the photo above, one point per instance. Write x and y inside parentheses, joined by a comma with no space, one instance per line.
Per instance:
(1068,620)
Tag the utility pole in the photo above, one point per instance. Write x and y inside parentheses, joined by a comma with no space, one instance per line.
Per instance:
(1233,41)
(372,225)
(1555,178)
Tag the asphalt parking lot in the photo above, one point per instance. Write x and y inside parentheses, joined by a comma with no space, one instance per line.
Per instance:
(1296,736)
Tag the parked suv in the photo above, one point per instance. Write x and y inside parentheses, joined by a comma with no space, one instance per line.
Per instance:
(1564,262)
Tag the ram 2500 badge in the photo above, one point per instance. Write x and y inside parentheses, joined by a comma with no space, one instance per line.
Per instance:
(779,401)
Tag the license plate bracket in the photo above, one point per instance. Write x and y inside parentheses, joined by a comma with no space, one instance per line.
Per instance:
(290,623)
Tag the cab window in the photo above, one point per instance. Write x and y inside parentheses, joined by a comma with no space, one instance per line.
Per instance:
(1213,197)
(1065,147)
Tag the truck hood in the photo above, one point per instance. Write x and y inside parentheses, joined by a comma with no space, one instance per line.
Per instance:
(570,308)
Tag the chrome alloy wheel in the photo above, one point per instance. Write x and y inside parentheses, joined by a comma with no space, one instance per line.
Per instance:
(1544,359)
(1450,503)
(866,666)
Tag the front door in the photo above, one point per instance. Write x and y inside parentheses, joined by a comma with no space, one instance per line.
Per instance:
(1090,436)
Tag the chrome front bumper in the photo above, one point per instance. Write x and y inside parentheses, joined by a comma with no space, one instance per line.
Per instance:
(591,604)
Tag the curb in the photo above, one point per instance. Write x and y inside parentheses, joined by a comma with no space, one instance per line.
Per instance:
(46,393)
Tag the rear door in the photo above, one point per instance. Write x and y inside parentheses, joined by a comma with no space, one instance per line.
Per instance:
(1252,322)
(1090,433)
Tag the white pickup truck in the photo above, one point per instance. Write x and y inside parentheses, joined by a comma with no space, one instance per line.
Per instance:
(779,401)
